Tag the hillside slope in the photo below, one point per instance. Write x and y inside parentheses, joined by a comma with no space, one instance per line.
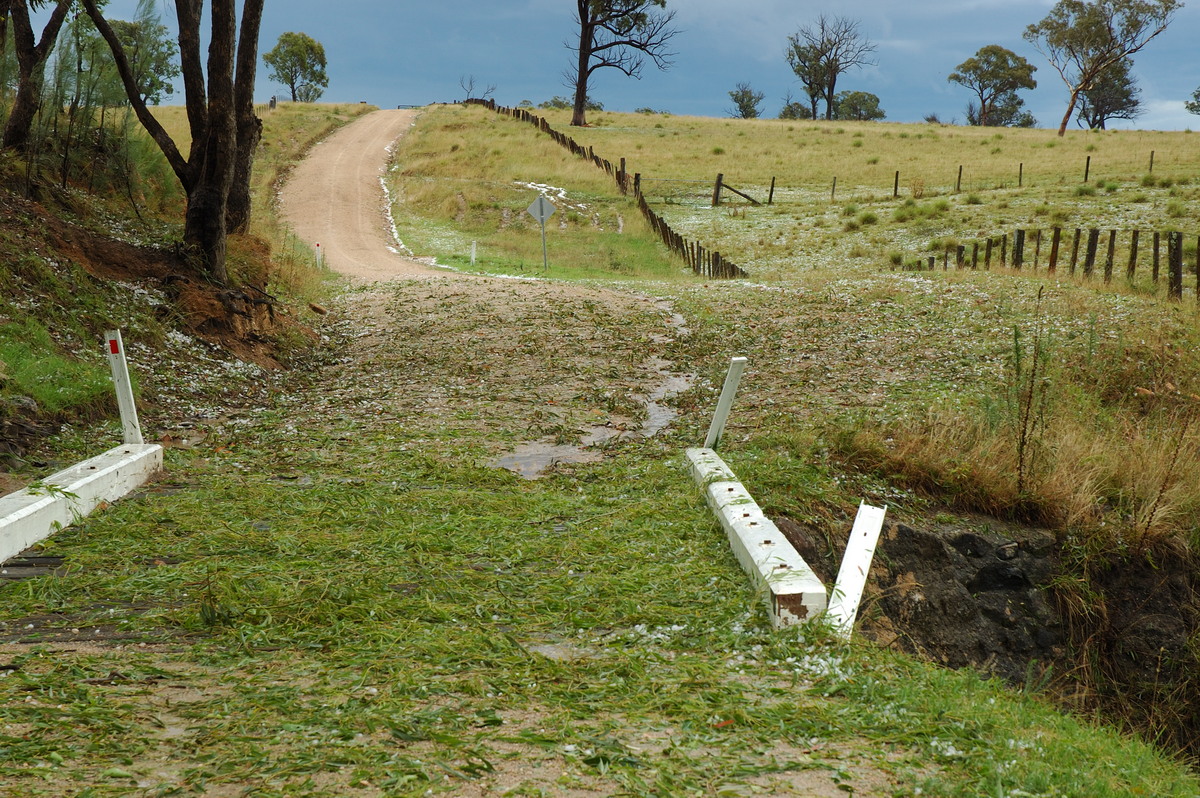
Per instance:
(339,591)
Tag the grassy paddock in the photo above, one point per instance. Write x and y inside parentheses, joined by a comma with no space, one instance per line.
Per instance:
(467,175)
(863,223)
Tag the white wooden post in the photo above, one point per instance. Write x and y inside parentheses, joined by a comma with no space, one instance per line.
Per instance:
(856,564)
(717,428)
(473,243)
(320,257)
(120,373)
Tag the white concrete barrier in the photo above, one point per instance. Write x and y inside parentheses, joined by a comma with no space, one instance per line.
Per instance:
(33,514)
(793,593)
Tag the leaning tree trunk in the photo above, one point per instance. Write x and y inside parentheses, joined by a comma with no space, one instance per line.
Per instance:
(1066,120)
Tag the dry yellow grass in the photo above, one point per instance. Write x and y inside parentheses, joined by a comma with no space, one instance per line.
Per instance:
(809,154)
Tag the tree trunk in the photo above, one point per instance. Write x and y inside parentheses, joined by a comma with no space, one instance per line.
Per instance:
(1066,120)
(249,126)
(586,35)
(31,61)
(829,94)
(204,224)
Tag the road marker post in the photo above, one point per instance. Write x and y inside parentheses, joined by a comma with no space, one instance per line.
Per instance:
(120,372)
(728,391)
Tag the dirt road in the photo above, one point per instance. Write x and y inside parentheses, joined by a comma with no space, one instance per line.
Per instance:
(335,198)
(547,353)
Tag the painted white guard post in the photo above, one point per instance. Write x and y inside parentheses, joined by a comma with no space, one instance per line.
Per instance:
(37,512)
(728,391)
(856,565)
(120,373)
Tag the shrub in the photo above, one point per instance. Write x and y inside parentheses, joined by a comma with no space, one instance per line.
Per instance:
(1085,191)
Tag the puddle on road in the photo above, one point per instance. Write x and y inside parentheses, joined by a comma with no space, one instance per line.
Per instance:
(532,459)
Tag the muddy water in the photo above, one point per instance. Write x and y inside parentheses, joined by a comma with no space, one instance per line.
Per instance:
(533,458)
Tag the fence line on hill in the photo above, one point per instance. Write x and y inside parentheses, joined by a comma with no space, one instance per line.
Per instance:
(1085,254)
(702,260)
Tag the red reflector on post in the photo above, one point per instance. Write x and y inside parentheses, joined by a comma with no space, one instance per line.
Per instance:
(113,347)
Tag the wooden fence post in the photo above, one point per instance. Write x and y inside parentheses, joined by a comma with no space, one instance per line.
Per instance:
(1075,252)
(833,191)
(1021,175)
(958,184)
(1018,258)
(975,256)
(1157,242)
(1037,247)
(1004,250)
(932,262)
(1133,253)
(960,257)
(1151,162)
(987,255)
(1108,259)
(1175,260)
(896,186)
(1089,261)
(1055,241)
(1087,169)
(771,196)
(717,190)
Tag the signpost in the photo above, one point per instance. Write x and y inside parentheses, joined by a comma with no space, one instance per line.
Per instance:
(542,209)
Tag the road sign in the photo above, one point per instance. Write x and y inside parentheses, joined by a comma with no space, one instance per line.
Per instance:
(542,209)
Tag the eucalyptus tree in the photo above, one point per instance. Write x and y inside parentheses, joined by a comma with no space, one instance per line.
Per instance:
(31,55)
(1082,39)
(224,129)
(995,74)
(821,53)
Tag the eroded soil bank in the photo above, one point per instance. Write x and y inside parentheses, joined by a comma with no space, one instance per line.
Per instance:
(999,597)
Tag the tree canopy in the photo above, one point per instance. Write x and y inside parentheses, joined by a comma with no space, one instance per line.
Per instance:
(1113,95)
(621,35)
(298,61)
(858,106)
(1083,39)
(746,101)
(995,74)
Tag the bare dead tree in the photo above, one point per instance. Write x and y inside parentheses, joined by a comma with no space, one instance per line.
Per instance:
(821,53)
(617,34)
(467,84)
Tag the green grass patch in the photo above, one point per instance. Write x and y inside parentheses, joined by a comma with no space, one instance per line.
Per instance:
(466,177)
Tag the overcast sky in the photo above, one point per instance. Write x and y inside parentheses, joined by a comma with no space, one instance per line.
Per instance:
(392,52)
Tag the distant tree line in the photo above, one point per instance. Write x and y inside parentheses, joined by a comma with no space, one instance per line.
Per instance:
(1089,43)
